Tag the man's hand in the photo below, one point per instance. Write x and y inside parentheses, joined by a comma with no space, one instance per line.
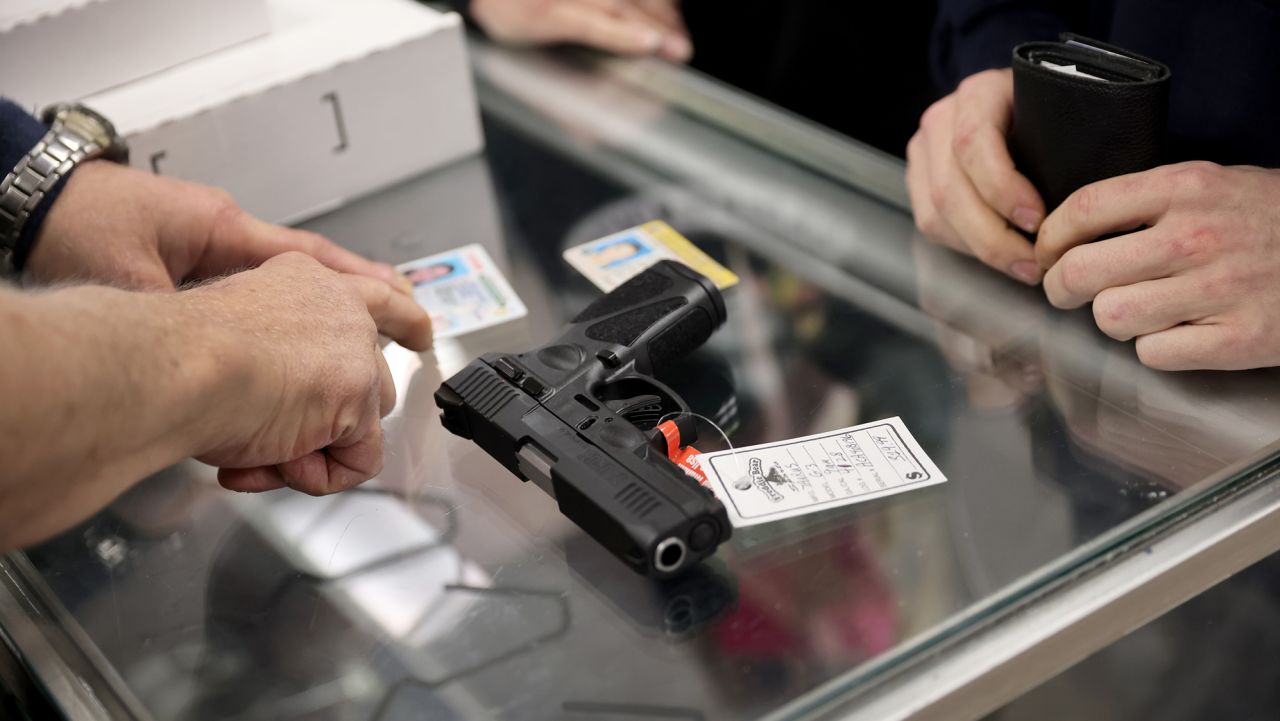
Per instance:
(964,190)
(274,374)
(315,384)
(132,229)
(1199,287)
(626,27)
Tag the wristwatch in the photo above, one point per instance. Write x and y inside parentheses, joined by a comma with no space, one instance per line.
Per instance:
(76,134)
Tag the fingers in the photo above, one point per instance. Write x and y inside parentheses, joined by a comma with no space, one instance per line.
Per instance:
(928,221)
(386,387)
(1113,205)
(626,27)
(397,316)
(589,24)
(1149,307)
(984,110)
(250,480)
(238,240)
(979,228)
(335,256)
(676,46)
(266,240)
(1189,347)
(941,166)
(973,191)
(356,461)
(1086,270)
(345,464)
(338,467)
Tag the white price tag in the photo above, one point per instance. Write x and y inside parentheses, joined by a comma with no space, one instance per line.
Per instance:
(773,481)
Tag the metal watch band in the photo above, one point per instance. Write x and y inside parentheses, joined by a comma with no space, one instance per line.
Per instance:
(70,140)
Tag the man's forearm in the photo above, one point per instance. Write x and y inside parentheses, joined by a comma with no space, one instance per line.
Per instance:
(102,387)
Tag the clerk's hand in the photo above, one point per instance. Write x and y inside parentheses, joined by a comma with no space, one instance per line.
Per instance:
(626,27)
(314,381)
(965,192)
(1199,287)
(121,226)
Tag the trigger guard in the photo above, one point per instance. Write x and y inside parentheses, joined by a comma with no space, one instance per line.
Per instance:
(662,389)
(680,405)
(634,385)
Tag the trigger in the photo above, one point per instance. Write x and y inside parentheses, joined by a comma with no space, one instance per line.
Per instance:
(643,411)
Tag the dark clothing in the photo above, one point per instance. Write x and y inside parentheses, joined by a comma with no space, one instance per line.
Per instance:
(1224,55)
(19,133)
(857,69)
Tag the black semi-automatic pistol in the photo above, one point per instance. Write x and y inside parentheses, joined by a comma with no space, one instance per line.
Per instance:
(580,418)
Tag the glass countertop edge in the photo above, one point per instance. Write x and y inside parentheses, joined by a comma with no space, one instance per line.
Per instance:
(1093,557)
(108,695)
(12,593)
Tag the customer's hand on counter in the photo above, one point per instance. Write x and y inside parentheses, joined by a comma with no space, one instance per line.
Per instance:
(125,227)
(965,192)
(626,27)
(1197,286)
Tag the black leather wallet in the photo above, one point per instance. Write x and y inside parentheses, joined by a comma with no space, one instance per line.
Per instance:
(1084,111)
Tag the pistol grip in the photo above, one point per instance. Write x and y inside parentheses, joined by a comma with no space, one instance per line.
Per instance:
(659,316)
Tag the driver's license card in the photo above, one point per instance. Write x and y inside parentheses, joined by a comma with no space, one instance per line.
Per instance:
(614,259)
(462,290)
(773,481)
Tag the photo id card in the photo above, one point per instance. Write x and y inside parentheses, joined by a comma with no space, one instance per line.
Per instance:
(773,481)
(614,259)
(463,291)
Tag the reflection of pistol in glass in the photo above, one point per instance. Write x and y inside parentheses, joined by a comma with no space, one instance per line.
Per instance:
(579,418)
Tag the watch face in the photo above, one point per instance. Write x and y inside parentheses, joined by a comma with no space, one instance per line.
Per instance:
(91,124)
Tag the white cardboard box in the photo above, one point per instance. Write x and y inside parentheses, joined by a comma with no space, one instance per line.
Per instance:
(54,50)
(340,99)
(13,12)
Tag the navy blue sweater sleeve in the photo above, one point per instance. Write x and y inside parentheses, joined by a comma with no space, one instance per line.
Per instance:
(975,35)
(19,133)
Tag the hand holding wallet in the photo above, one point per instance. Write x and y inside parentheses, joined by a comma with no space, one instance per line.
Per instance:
(1084,111)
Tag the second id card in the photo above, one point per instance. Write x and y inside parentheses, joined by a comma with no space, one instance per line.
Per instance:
(773,481)
(614,259)
(462,290)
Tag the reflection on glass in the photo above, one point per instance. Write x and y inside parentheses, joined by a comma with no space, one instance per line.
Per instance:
(448,588)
